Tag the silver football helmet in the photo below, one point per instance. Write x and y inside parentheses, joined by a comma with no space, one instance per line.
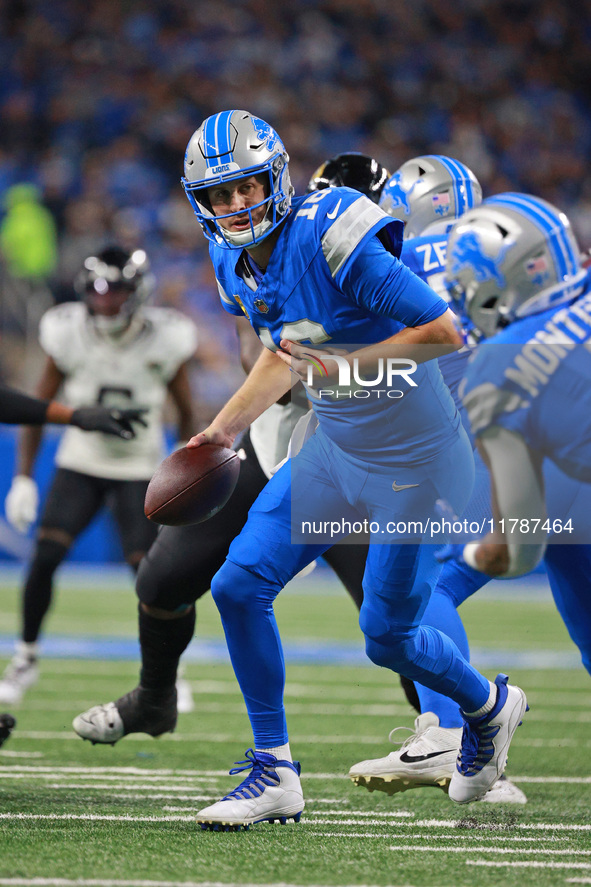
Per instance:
(233,145)
(114,284)
(430,189)
(513,256)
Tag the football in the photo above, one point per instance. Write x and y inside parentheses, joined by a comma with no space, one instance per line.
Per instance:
(191,485)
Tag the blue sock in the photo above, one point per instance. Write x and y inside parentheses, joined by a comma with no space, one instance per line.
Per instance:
(442,614)
(456,583)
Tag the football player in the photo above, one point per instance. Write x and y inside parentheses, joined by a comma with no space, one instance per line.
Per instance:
(182,561)
(512,265)
(113,349)
(515,269)
(428,193)
(319,268)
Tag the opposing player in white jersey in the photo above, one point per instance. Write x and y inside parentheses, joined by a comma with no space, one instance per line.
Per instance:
(114,350)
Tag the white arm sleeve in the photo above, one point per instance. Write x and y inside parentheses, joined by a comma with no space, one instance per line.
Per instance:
(519,497)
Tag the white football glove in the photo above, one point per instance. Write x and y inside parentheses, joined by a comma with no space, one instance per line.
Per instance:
(22,502)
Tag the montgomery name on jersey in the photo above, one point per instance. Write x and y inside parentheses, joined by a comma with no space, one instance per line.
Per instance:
(132,370)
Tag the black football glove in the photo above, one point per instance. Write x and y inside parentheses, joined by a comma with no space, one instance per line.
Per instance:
(109,421)
(7,725)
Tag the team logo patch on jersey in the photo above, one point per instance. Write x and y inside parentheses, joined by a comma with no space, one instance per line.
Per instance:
(265,133)
(537,270)
(441,203)
(468,252)
(261,306)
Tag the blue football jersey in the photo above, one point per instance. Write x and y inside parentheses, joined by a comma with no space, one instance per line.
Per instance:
(332,281)
(425,255)
(534,378)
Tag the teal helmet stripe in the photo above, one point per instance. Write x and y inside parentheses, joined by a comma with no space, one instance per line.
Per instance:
(546,219)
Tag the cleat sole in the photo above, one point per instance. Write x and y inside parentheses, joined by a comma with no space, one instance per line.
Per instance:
(244,826)
(395,784)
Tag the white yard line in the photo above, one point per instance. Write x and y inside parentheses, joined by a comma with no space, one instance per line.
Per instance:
(527,864)
(18,771)
(428,848)
(102,882)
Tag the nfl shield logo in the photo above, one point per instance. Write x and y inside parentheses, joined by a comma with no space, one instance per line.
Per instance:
(261,306)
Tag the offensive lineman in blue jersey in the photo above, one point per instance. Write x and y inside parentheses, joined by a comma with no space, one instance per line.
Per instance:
(428,193)
(316,269)
(568,567)
(514,268)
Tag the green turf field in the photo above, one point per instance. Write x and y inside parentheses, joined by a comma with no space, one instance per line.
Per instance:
(73,814)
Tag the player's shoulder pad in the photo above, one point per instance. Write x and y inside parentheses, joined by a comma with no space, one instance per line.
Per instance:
(58,326)
(176,333)
(341,219)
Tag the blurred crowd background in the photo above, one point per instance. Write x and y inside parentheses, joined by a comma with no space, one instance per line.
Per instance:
(98,99)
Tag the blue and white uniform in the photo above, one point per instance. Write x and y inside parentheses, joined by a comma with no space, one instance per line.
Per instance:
(533,379)
(331,280)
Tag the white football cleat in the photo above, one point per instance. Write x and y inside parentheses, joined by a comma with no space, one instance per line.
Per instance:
(271,792)
(139,711)
(21,673)
(485,744)
(102,723)
(504,791)
(426,757)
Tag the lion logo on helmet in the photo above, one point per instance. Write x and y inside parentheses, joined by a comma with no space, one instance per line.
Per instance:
(395,193)
(265,133)
(467,252)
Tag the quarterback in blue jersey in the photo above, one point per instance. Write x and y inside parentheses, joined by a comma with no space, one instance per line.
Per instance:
(317,269)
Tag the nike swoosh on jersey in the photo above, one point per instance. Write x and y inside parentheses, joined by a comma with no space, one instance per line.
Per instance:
(333,214)
(397,487)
